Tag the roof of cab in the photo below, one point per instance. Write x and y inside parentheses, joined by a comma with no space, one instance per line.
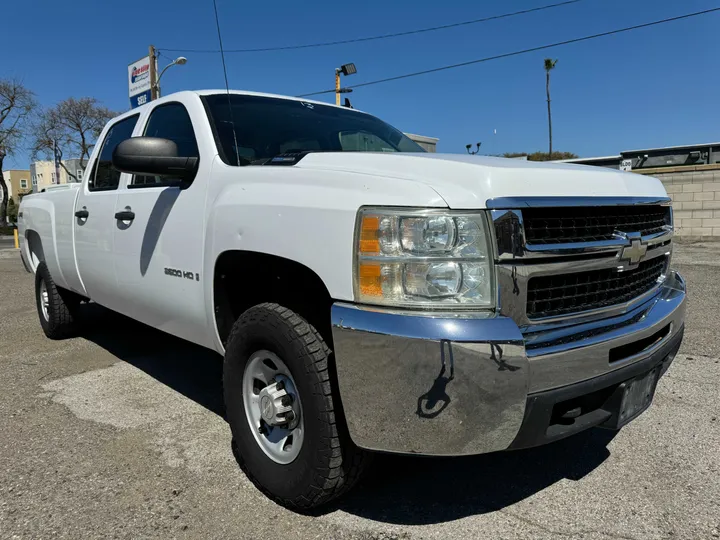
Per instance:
(264,94)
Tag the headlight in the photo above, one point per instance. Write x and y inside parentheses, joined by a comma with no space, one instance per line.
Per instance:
(423,258)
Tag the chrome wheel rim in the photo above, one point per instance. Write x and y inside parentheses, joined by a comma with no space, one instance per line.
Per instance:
(281,443)
(44,300)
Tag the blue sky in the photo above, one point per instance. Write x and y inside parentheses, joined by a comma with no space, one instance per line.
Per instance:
(653,87)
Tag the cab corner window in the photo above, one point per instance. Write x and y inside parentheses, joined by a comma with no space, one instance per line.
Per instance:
(169,121)
(104,176)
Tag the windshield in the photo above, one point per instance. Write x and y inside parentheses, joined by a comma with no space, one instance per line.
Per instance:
(266,127)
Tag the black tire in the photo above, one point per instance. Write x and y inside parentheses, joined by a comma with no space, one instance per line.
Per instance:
(62,311)
(328,464)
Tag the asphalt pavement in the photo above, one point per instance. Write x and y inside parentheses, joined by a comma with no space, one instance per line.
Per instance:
(119,434)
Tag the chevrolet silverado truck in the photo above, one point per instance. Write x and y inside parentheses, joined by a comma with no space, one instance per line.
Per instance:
(367,296)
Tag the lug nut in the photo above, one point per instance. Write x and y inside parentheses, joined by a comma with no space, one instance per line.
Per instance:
(286,400)
(262,430)
(280,385)
(290,416)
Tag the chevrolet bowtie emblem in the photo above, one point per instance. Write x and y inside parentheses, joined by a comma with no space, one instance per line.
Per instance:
(636,251)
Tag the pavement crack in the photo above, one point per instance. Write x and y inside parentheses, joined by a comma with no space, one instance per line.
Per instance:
(580,533)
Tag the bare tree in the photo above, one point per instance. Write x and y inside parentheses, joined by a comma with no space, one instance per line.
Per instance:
(70,129)
(16,105)
(549,66)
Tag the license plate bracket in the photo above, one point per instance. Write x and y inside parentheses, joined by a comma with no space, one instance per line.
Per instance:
(638,395)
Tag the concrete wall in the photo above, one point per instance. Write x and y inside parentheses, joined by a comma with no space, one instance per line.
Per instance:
(695,191)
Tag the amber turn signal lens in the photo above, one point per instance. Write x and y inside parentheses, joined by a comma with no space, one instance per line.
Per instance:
(369,231)
(370,279)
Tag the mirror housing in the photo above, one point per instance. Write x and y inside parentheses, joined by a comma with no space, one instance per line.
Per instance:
(153,156)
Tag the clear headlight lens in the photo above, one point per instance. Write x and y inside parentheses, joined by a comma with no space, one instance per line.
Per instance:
(424,258)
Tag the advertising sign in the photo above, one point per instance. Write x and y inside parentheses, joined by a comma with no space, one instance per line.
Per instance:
(139,82)
(626,165)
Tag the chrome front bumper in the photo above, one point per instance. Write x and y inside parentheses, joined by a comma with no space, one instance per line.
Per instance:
(444,384)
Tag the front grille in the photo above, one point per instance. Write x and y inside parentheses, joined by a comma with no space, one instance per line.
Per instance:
(551,296)
(591,223)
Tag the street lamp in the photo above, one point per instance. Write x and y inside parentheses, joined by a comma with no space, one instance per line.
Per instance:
(469,146)
(345,69)
(179,61)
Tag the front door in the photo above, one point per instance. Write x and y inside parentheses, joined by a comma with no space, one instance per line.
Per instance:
(94,219)
(159,246)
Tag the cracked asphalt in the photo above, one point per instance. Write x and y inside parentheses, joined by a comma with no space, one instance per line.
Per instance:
(119,434)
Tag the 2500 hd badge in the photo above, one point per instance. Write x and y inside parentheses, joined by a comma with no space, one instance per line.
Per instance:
(182,274)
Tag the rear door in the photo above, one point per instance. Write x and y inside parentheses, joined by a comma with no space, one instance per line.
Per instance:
(158,250)
(94,220)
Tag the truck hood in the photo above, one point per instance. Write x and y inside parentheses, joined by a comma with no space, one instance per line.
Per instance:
(466,181)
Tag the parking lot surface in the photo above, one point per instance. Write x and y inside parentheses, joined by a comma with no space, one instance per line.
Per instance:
(119,434)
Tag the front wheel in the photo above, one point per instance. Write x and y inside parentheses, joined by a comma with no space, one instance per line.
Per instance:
(287,429)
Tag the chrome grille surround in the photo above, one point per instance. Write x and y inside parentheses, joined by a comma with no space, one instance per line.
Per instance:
(518,261)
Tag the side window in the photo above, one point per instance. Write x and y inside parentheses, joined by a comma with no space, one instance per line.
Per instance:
(104,176)
(170,121)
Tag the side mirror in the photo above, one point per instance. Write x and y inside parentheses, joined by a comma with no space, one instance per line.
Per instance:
(153,156)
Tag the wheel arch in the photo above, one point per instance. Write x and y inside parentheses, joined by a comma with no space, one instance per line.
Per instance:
(35,252)
(242,279)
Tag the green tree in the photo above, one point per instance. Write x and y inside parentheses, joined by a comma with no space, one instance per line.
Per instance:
(555,156)
(12,211)
(549,66)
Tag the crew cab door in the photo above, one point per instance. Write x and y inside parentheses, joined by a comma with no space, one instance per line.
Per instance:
(94,220)
(159,236)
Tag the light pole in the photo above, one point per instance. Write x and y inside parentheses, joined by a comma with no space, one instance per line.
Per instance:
(179,61)
(345,69)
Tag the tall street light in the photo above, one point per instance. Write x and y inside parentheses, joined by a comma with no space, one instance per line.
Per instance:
(179,61)
(345,69)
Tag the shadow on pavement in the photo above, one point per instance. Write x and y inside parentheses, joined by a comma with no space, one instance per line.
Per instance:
(397,489)
(194,371)
(419,491)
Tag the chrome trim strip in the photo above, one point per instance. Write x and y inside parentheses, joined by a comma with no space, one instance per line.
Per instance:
(512,244)
(457,327)
(548,202)
(605,245)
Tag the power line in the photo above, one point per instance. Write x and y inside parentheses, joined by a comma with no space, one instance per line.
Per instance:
(517,53)
(383,36)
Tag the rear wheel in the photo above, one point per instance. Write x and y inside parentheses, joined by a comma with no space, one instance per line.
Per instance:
(287,430)
(57,307)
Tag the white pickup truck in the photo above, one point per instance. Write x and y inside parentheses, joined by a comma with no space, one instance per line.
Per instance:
(366,295)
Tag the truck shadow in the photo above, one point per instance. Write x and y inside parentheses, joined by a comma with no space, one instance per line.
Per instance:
(194,371)
(397,489)
(421,491)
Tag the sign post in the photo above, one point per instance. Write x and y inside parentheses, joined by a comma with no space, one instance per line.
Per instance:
(140,82)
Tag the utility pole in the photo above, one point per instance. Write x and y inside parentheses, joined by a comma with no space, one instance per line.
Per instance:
(154,88)
(337,87)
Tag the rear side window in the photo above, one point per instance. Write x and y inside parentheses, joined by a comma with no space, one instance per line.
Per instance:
(104,176)
(170,121)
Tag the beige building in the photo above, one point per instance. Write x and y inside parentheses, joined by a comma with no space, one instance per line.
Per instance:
(42,175)
(428,143)
(18,182)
